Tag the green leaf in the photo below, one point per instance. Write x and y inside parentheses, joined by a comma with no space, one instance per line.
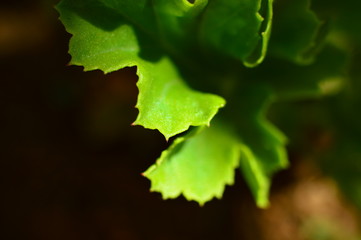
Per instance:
(112,42)
(198,165)
(101,43)
(167,104)
(262,158)
(263,151)
(240,29)
(297,34)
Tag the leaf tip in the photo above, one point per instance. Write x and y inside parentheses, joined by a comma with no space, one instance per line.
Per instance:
(263,203)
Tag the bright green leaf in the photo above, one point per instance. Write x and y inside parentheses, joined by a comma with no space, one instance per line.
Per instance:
(108,44)
(198,165)
(167,104)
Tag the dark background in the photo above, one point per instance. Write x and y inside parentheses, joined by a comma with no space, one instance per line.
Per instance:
(71,164)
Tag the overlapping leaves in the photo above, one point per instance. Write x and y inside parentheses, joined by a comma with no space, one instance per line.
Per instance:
(110,43)
(174,43)
(200,165)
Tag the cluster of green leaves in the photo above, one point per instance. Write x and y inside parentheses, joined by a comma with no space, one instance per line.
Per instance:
(192,57)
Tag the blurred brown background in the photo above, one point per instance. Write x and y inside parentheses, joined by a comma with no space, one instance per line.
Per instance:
(70,162)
